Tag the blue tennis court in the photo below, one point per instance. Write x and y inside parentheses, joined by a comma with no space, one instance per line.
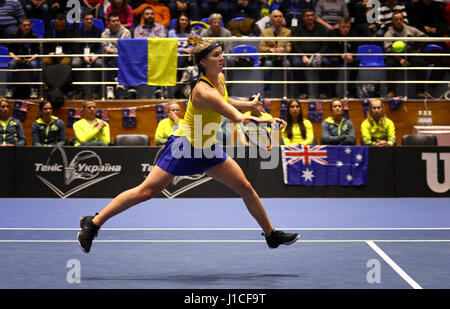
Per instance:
(376,243)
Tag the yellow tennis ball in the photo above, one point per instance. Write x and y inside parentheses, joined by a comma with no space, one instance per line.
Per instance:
(398,46)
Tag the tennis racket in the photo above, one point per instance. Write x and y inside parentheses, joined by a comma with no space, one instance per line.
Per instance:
(256,133)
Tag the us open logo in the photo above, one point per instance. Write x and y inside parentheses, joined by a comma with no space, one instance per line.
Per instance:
(85,169)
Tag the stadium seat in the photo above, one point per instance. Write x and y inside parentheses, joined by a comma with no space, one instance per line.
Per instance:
(419,140)
(432,47)
(4,60)
(132,140)
(370,61)
(37,26)
(173,22)
(241,49)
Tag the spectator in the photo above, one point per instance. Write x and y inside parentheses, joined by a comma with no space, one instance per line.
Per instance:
(377,129)
(298,130)
(189,7)
(161,12)
(168,125)
(399,29)
(24,56)
(114,30)
(11,12)
(96,7)
(90,59)
(209,7)
(58,29)
(181,30)
(336,129)
(428,17)
(11,130)
(150,28)
(309,28)
(216,30)
(38,9)
(346,59)
(123,10)
(244,8)
(360,13)
(276,30)
(329,12)
(57,6)
(386,11)
(293,11)
(91,131)
(48,130)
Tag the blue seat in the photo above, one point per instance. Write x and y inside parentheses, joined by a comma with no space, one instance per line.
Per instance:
(242,49)
(238,19)
(433,47)
(370,61)
(173,22)
(4,60)
(37,26)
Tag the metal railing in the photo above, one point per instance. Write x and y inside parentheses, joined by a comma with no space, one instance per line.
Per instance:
(285,81)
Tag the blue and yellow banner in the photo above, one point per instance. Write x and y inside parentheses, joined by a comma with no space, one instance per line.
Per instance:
(147,61)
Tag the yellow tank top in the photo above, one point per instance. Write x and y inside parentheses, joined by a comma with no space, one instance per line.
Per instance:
(200,125)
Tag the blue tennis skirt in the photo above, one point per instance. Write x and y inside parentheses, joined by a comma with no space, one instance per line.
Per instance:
(180,158)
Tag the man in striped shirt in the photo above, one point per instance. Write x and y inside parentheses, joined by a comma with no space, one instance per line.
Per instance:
(386,12)
(11,12)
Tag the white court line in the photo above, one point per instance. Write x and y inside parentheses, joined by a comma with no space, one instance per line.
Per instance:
(217,240)
(229,229)
(394,266)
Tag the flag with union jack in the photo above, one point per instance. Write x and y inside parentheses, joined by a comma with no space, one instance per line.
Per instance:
(325,165)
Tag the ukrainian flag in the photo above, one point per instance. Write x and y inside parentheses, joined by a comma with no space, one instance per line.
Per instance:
(147,61)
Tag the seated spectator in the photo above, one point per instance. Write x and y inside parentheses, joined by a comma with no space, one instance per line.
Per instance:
(11,12)
(336,129)
(96,7)
(181,30)
(428,17)
(216,30)
(123,10)
(150,28)
(167,125)
(377,129)
(48,130)
(244,8)
(90,59)
(57,29)
(346,59)
(329,12)
(298,130)
(114,30)
(11,130)
(38,9)
(386,11)
(91,131)
(361,13)
(209,7)
(24,56)
(399,29)
(57,6)
(161,12)
(310,28)
(188,7)
(293,11)
(276,30)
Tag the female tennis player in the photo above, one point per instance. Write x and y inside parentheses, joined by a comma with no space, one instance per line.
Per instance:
(188,151)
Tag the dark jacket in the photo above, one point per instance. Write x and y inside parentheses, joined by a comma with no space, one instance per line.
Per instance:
(51,33)
(309,46)
(24,48)
(44,134)
(13,133)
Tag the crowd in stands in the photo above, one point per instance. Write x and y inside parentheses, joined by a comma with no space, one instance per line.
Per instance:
(224,18)
(219,18)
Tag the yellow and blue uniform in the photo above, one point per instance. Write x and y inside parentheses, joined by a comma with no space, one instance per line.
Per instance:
(373,132)
(336,133)
(164,130)
(52,133)
(11,132)
(193,149)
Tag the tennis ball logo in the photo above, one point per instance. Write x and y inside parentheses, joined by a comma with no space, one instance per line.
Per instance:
(398,46)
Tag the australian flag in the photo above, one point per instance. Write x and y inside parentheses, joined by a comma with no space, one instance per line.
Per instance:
(325,165)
